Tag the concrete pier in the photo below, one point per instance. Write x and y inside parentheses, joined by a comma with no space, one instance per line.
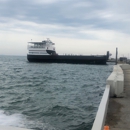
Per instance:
(118,114)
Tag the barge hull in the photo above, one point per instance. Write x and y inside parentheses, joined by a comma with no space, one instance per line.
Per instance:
(99,60)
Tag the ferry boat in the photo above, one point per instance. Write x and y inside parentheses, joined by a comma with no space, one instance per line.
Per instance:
(45,52)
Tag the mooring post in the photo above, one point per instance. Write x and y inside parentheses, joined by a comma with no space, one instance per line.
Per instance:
(116,55)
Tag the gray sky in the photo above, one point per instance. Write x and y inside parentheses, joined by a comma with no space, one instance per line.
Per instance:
(75,26)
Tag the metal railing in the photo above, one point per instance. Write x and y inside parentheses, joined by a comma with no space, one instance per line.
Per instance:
(102,111)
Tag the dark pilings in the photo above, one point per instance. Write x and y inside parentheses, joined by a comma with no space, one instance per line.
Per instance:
(116,55)
(108,55)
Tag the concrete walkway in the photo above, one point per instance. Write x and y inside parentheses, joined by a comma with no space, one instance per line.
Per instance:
(118,116)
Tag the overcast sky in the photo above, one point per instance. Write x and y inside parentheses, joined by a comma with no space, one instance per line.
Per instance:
(75,26)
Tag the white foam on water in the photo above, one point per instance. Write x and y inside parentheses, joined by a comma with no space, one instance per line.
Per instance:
(11,120)
(19,120)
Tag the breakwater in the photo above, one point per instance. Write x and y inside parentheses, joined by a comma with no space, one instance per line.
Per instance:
(118,109)
(117,88)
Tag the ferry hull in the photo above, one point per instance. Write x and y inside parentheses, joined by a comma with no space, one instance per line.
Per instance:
(99,60)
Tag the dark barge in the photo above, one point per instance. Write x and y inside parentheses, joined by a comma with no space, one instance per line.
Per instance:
(73,59)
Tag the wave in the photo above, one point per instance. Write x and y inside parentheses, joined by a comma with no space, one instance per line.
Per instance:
(58,110)
(81,126)
(19,120)
(11,120)
(50,96)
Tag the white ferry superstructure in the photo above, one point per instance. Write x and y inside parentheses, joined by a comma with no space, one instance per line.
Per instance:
(45,47)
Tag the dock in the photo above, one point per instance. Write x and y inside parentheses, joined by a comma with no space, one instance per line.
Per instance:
(114,109)
(118,114)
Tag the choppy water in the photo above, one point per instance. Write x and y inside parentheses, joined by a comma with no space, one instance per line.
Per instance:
(50,96)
